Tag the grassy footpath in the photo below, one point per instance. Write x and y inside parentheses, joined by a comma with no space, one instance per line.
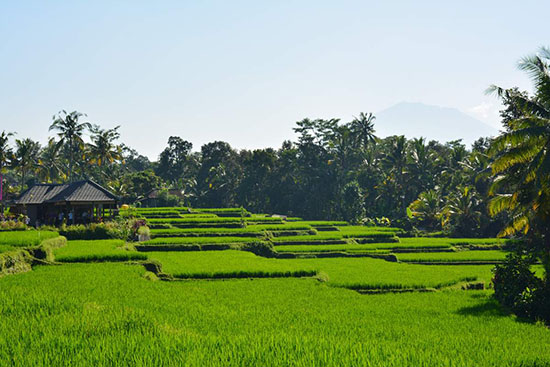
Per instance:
(94,314)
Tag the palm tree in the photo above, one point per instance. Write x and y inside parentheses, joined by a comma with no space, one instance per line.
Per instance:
(462,212)
(26,157)
(363,127)
(426,210)
(70,132)
(522,160)
(420,163)
(6,156)
(51,168)
(395,163)
(103,150)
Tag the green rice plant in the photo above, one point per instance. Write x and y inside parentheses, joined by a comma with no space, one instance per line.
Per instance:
(280,227)
(372,232)
(322,236)
(166,214)
(96,251)
(263,220)
(249,274)
(319,239)
(182,247)
(325,223)
(224,212)
(204,225)
(161,209)
(205,232)
(348,247)
(25,238)
(198,240)
(355,273)
(193,220)
(361,245)
(449,242)
(294,219)
(216,264)
(94,314)
(289,233)
(458,256)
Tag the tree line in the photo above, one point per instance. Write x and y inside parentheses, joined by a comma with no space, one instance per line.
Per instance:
(334,170)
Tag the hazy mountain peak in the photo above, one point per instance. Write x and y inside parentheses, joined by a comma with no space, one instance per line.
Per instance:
(414,119)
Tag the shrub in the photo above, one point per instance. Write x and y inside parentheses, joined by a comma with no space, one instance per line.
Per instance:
(12,225)
(85,232)
(260,248)
(520,290)
(121,229)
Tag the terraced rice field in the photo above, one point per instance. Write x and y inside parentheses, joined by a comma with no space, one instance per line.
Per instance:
(458,256)
(96,251)
(24,238)
(273,303)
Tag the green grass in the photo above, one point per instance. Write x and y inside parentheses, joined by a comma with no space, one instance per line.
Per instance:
(25,238)
(96,251)
(198,240)
(459,256)
(94,314)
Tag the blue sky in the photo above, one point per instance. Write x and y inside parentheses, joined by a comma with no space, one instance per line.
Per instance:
(245,71)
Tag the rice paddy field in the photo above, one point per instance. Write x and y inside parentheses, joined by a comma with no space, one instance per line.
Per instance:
(282,297)
(24,238)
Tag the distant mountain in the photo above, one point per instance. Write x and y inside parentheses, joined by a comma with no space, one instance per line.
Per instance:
(432,122)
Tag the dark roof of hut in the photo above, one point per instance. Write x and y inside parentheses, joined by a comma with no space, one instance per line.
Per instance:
(80,191)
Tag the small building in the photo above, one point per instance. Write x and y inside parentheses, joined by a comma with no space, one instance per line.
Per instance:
(72,203)
(151,198)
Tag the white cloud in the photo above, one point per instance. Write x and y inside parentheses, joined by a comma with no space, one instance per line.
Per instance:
(487,112)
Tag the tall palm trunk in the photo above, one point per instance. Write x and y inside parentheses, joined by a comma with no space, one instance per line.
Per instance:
(71,152)
(23,173)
